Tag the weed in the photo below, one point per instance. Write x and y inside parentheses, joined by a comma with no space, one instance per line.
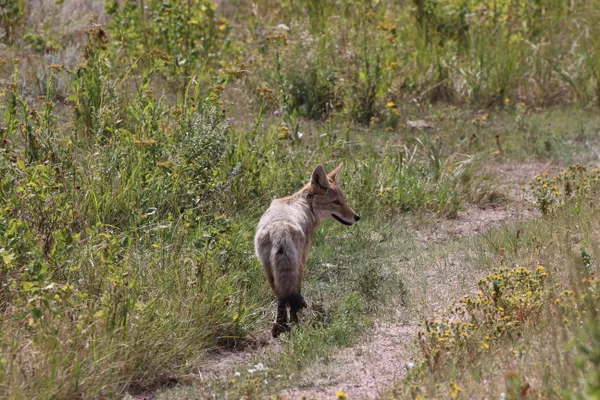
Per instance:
(11,14)
(504,301)
(572,186)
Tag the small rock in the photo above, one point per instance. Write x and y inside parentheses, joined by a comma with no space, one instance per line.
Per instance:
(420,124)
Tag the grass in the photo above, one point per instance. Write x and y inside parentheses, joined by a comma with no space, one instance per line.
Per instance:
(140,142)
(530,330)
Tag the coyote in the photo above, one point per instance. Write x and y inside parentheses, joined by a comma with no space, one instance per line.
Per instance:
(285,232)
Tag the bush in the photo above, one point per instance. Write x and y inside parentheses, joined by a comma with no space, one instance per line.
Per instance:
(505,300)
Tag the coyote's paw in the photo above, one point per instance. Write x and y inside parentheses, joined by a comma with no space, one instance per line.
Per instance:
(278,329)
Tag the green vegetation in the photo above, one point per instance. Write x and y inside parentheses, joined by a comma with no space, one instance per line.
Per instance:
(140,141)
(530,331)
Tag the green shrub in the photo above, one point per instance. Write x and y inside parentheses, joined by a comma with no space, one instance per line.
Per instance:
(11,14)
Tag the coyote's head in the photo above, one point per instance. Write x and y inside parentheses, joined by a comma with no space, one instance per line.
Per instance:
(329,201)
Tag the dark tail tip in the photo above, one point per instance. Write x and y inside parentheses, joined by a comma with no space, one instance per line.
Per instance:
(295,301)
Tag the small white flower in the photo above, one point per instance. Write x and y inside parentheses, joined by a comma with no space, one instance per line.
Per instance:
(260,367)
(410,365)
(236,373)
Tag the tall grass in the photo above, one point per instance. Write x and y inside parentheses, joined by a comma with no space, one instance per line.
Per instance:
(355,59)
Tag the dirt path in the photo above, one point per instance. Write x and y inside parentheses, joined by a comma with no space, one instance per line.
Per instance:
(383,357)
(365,370)
(473,220)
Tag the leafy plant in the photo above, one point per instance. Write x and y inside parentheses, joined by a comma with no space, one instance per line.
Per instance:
(572,184)
(504,301)
(11,14)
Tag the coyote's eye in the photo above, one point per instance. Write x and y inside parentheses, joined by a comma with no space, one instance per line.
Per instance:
(337,203)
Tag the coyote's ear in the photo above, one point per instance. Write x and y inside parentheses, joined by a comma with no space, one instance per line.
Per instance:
(335,174)
(318,181)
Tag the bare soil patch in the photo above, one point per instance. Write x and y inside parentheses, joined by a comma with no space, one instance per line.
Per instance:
(364,370)
(513,205)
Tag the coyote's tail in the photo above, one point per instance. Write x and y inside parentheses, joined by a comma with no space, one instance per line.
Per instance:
(295,301)
(286,265)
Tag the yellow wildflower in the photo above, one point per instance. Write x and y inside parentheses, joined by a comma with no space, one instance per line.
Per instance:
(455,387)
